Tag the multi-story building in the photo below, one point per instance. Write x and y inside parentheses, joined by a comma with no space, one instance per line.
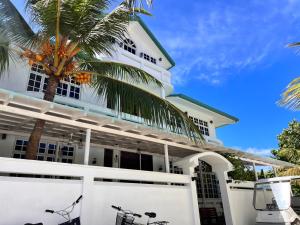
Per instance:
(117,139)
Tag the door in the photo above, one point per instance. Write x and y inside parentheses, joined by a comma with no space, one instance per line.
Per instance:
(130,160)
(147,162)
(108,157)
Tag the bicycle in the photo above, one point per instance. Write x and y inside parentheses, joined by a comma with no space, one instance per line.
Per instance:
(125,217)
(152,215)
(65,213)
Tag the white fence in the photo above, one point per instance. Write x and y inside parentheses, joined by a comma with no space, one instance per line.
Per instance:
(241,198)
(24,199)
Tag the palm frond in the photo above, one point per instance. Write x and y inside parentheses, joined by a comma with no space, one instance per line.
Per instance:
(119,71)
(153,109)
(13,31)
(295,44)
(291,96)
(293,171)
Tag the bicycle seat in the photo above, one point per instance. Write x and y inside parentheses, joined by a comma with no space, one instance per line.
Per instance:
(34,224)
(150,214)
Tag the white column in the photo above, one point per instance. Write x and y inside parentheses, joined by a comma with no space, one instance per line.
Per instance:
(87,198)
(87,146)
(163,92)
(255,172)
(202,183)
(167,161)
(275,171)
(225,195)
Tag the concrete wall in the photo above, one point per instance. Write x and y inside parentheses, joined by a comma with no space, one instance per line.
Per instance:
(241,197)
(25,199)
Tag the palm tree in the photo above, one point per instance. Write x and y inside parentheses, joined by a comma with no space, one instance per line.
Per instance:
(70,35)
(291,96)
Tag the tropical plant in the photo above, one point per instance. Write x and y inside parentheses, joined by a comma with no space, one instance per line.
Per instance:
(291,96)
(240,171)
(289,149)
(70,36)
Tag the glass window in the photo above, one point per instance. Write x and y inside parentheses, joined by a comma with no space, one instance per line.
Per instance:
(202,125)
(46,151)
(67,154)
(129,46)
(210,183)
(34,83)
(51,149)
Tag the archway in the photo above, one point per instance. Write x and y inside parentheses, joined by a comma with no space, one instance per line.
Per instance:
(220,166)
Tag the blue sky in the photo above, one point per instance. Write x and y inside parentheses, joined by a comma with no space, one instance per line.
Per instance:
(232,55)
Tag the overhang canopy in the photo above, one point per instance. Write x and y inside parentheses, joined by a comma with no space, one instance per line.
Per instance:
(18,113)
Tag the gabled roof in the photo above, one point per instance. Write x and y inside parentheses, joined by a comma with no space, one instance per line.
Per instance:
(154,39)
(196,102)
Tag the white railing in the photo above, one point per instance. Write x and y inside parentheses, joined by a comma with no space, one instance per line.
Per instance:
(28,197)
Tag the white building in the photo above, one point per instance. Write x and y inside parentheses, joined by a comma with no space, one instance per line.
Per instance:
(83,135)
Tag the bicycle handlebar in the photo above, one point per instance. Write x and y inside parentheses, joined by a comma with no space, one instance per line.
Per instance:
(116,207)
(126,212)
(49,211)
(78,199)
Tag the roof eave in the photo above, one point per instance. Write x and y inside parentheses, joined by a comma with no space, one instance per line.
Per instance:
(196,102)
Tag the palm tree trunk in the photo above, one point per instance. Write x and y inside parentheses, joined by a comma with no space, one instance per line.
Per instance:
(36,134)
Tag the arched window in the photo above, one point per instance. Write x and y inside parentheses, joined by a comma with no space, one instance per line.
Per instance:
(129,46)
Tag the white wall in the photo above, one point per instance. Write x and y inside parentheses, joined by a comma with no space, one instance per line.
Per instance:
(241,197)
(25,199)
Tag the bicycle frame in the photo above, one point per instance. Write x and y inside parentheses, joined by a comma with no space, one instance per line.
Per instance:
(66,213)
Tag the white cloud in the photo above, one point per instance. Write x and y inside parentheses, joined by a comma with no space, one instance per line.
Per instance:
(265,152)
(218,39)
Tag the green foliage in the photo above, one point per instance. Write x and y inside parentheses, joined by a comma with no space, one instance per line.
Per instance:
(262,174)
(289,144)
(240,172)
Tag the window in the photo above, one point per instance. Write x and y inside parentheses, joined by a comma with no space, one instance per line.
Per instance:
(74,88)
(45,151)
(35,78)
(51,149)
(67,154)
(129,46)
(67,87)
(153,60)
(37,68)
(148,58)
(211,187)
(34,83)
(202,125)
(62,89)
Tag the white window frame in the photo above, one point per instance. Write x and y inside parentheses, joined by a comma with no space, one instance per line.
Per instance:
(47,154)
(69,81)
(201,124)
(129,46)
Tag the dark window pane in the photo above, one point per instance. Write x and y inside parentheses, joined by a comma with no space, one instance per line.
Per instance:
(31,83)
(17,156)
(18,147)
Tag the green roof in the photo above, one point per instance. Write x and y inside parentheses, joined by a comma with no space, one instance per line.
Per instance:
(187,98)
(154,39)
